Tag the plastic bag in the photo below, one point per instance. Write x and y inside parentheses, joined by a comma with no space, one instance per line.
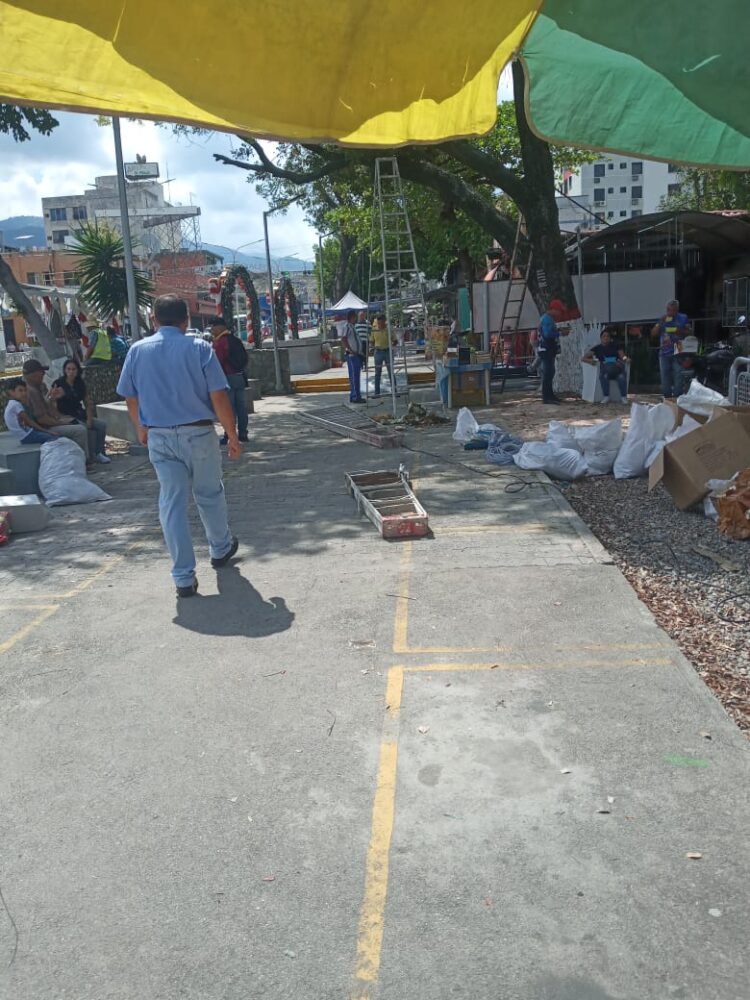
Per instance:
(466,425)
(560,463)
(600,444)
(62,475)
(502,447)
(701,400)
(716,486)
(561,436)
(649,425)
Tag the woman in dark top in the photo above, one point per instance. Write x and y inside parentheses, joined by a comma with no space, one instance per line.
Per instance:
(73,400)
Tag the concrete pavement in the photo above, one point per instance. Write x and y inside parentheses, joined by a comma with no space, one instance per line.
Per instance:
(353,768)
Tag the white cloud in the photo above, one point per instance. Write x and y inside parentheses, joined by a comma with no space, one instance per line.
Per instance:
(79,150)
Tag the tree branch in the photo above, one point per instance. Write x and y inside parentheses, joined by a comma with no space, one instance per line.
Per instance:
(489,168)
(268,167)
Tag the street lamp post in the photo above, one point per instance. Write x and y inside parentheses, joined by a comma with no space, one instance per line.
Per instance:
(127,243)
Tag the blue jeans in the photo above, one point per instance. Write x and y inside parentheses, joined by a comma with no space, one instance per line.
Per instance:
(189,457)
(37,437)
(354,365)
(382,357)
(621,379)
(239,403)
(671,376)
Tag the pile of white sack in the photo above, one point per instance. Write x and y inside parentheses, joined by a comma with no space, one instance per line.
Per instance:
(600,449)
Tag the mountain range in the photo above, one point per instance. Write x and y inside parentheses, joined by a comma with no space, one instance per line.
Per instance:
(26,231)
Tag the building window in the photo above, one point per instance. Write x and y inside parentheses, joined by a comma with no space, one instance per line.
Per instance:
(70,277)
(32,278)
(636,168)
(623,214)
(636,191)
(598,170)
(58,214)
(674,188)
(610,166)
(635,213)
(79,213)
(610,190)
(59,235)
(623,190)
(623,166)
(599,196)
(610,215)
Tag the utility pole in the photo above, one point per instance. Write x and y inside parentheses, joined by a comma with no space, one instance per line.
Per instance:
(135,331)
(322,289)
(276,358)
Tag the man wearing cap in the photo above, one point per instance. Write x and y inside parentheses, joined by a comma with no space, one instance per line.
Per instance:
(42,407)
(175,390)
(548,347)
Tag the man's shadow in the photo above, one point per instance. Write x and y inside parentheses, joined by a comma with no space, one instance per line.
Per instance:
(238,609)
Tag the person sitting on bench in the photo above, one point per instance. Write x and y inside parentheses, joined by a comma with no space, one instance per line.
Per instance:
(19,421)
(611,360)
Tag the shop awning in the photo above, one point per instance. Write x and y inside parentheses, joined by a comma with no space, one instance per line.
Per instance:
(665,80)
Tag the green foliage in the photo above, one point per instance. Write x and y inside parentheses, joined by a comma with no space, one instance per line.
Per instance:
(102,270)
(503,142)
(238,273)
(18,121)
(707,190)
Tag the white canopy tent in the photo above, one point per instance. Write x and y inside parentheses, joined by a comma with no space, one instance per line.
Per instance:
(347,302)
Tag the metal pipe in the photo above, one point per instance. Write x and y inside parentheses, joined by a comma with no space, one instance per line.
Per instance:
(322,289)
(135,332)
(276,358)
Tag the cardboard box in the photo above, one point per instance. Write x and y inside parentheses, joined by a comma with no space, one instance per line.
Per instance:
(716,450)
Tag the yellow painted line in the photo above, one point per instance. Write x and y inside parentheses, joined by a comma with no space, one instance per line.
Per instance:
(372,914)
(21,634)
(573,665)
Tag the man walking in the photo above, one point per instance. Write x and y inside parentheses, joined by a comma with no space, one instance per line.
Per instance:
(350,340)
(175,389)
(233,359)
(43,408)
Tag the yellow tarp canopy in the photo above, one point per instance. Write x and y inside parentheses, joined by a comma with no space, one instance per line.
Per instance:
(364,72)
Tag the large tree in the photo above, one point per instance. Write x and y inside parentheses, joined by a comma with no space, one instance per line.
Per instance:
(706,190)
(20,123)
(465,176)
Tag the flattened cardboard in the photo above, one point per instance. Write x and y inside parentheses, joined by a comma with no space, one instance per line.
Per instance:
(716,450)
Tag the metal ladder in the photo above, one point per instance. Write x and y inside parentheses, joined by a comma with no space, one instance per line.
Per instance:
(515,293)
(399,284)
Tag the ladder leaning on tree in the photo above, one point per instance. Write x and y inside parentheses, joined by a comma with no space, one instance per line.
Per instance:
(515,292)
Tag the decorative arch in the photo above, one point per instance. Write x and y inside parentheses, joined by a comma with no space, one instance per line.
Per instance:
(286,309)
(232,275)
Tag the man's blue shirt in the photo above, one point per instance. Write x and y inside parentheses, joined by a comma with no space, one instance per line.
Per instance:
(172,376)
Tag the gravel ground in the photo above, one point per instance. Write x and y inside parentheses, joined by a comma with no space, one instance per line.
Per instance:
(702,602)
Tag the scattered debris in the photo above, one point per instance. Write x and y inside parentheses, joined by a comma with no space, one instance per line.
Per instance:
(705,735)
(566,770)
(330,728)
(694,855)
(714,912)
(703,550)
(362,643)
(290,954)
(276,673)
(733,507)
(415,416)
(234,798)
(268,878)
(604,812)
(423,729)
(611,799)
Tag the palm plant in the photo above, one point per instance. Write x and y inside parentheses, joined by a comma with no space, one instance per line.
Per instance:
(101,270)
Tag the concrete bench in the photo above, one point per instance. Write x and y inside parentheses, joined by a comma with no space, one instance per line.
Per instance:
(115,415)
(7,481)
(22,460)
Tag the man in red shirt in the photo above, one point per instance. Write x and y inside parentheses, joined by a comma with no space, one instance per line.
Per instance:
(233,359)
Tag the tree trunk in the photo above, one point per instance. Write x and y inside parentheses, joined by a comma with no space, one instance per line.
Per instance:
(466,266)
(22,302)
(550,277)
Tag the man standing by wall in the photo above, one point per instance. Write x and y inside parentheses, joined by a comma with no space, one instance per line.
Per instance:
(548,347)
(43,408)
(175,389)
(233,359)
(350,340)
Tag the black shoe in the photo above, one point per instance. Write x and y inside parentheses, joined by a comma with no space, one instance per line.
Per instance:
(223,560)
(223,440)
(356,401)
(188,591)
(551,402)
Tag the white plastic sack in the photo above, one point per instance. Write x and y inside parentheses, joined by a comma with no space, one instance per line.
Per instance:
(62,475)
(561,436)
(466,425)
(701,400)
(686,427)
(560,463)
(648,426)
(600,444)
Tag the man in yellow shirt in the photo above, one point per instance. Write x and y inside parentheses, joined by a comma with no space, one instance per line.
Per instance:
(381,350)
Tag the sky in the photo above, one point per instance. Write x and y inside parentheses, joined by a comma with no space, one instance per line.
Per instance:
(79,150)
